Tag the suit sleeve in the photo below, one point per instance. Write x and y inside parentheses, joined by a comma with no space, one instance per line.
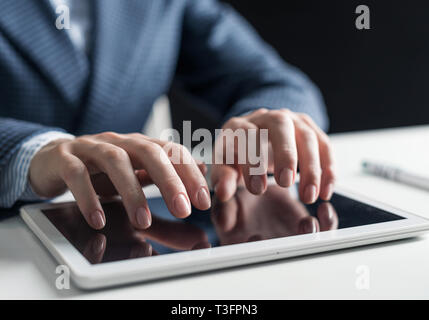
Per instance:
(13,133)
(224,62)
(14,159)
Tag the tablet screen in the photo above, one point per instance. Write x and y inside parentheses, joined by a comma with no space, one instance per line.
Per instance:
(244,218)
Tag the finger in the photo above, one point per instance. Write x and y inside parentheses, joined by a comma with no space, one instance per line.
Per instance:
(282,137)
(326,159)
(250,155)
(105,188)
(189,173)
(76,176)
(151,157)
(224,180)
(309,162)
(114,162)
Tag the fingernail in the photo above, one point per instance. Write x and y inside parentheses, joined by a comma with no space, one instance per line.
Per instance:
(310,194)
(97,220)
(182,205)
(256,184)
(329,191)
(143,218)
(286,177)
(204,198)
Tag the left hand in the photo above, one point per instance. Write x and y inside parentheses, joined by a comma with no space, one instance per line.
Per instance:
(294,141)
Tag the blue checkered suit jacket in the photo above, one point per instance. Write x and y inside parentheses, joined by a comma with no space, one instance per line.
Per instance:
(139,47)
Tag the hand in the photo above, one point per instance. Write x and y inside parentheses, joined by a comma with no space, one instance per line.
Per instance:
(247,217)
(110,163)
(294,141)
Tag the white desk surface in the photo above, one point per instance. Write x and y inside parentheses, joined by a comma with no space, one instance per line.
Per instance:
(396,270)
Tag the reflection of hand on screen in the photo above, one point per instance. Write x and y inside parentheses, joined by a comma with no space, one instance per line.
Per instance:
(277,213)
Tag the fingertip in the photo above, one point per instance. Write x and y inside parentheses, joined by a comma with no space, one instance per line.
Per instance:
(286,178)
(97,220)
(143,218)
(309,195)
(327,192)
(182,206)
(203,199)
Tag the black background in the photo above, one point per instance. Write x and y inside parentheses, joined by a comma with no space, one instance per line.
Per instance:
(370,79)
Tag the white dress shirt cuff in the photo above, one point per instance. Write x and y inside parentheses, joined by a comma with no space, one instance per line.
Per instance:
(14,182)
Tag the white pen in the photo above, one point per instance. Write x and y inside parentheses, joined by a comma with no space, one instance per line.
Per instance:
(396,174)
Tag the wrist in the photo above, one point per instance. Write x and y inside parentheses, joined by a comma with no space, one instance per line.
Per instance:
(40,166)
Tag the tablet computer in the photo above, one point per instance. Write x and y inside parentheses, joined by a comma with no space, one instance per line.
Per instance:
(244,230)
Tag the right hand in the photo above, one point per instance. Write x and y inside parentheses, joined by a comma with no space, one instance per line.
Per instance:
(108,163)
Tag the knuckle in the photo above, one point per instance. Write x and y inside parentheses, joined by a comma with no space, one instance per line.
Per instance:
(108,135)
(329,173)
(324,139)
(182,149)
(234,122)
(290,154)
(134,136)
(286,111)
(62,149)
(313,171)
(112,152)
(171,185)
(260,111)
(73,169)
(305,117)
(307,134)
(84,140)
(279,117)
(151,148)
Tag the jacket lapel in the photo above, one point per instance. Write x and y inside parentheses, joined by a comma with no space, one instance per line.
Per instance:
(120,34)
(30,26)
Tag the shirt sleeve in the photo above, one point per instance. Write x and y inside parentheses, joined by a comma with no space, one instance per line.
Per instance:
(14,183)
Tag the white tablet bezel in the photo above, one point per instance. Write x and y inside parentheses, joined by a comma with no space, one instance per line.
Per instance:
(91,276)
